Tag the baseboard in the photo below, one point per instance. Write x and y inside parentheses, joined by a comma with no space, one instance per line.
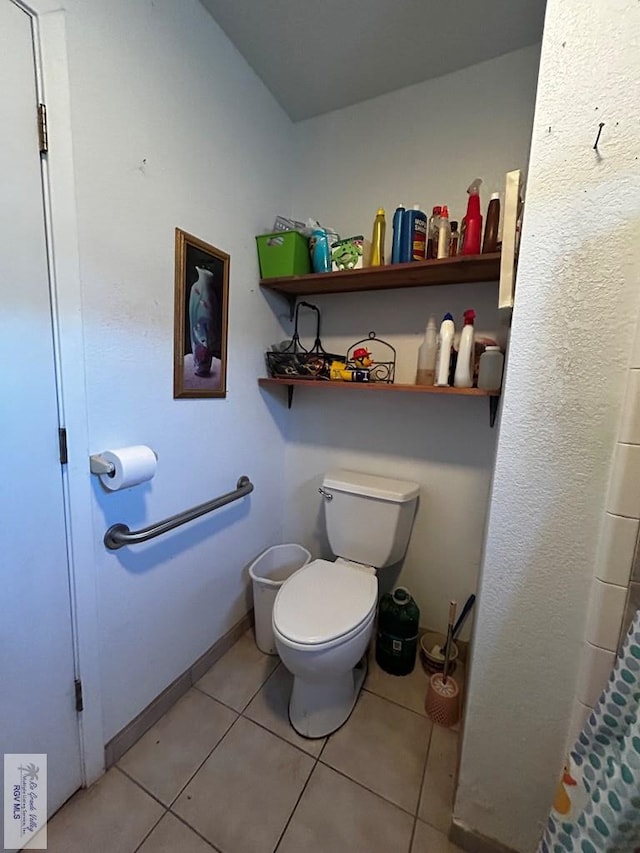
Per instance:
(472,841)
(133,731)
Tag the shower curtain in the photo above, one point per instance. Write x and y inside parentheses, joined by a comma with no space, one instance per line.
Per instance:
(597,805)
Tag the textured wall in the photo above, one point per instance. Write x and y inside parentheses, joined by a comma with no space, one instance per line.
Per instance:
(420,144)
(572,327)
(172,128)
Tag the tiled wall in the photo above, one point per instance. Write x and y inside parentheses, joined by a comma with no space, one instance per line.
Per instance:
(615,595)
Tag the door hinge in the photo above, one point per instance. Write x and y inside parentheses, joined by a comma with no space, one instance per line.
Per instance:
(62,442)
(78,688)
(43,131)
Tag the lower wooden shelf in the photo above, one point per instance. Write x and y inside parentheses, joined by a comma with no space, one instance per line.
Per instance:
(327,385)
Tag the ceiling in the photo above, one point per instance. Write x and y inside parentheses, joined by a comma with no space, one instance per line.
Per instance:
(320,56)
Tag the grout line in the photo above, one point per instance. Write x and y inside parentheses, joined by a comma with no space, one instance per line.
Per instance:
(424,774)
(283,739)
(370,790)
(150,831)
(293,810)
(199,767)
(140,785)
(194,830)
(215,699)
(422,715)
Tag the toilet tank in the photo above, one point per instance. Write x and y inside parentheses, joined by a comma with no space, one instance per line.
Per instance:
(369,518)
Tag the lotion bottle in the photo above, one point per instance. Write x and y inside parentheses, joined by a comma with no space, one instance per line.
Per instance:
(444,233)
(463,377)
(426,371)
(445,342)
(377,242)
(396,246)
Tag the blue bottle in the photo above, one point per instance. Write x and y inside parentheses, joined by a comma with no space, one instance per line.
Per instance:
(414,235)
(396,248)
(320,251)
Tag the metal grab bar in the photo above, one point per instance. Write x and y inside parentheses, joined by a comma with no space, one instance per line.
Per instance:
(119,535)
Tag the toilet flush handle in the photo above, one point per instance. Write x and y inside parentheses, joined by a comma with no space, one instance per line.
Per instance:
(325,494)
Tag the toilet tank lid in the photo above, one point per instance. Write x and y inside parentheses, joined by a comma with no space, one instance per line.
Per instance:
(383,488)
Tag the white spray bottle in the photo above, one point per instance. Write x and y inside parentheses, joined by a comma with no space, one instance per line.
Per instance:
(445,342)
(463,377)
(426,371)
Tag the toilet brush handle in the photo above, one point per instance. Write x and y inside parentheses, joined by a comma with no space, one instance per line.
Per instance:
(447,653)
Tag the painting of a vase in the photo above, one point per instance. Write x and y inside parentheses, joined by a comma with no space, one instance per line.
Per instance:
(202,276)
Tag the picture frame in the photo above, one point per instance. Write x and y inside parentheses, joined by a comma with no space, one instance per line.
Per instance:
(200,318)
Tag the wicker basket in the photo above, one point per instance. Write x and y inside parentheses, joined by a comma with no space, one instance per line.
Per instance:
(296,362)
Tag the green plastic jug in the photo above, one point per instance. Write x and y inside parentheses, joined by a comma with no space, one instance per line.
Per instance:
(397,638)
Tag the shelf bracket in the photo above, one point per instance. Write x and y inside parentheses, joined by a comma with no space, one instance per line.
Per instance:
(289,396)
(494,402)
(291,299)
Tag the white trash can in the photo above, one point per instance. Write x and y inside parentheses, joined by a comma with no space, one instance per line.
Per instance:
(268,572)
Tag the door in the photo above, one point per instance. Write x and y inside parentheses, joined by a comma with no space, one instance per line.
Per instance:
(37,697)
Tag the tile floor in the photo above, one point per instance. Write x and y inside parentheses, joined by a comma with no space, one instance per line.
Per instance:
(223,770)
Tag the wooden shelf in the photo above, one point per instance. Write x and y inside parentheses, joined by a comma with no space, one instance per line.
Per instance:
(377,386)
(463,269)
(326,385)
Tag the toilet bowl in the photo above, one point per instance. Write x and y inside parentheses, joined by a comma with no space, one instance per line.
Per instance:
(323,614)
(322,623)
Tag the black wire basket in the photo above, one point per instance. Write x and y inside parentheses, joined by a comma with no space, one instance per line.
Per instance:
(296,362)
(383,367)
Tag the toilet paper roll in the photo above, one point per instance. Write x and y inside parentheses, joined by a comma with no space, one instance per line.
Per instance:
(131,465)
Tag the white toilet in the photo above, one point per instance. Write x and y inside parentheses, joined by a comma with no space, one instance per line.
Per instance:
(323,614)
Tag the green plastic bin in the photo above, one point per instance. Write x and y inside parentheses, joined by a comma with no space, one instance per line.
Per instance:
(283,253)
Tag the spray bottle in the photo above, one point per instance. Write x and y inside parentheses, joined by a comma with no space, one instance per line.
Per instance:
(472,222)
(463,377)
(426,371)
(445,342)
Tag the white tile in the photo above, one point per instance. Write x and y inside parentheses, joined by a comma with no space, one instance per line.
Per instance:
(606,608)
(635,353)
(624,487)
(630,424)
(616,549)
(426,839)
(112,816)
(436,800)
(595,666)
(579,716)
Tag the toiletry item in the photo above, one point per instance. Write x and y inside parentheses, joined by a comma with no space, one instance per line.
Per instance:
(397,635)
(472,221)
(426,372)
(320,251)
(445,343)
(490,242)
(455,239)
(444,233)
(463,377)
(377,241)
(414,235)
(432,232)
(396,246)
(490,370)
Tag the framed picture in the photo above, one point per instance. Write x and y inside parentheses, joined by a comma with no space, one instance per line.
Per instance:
(200,321)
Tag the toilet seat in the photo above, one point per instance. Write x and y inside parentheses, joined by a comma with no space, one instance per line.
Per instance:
(324,604)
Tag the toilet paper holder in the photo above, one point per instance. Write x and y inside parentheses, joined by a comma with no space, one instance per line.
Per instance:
(99,465)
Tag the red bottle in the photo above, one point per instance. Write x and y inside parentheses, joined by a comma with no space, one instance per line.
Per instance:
(472,222)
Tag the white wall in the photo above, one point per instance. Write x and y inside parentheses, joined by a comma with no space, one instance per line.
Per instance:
(171,128)
(422,144)
(575,310)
